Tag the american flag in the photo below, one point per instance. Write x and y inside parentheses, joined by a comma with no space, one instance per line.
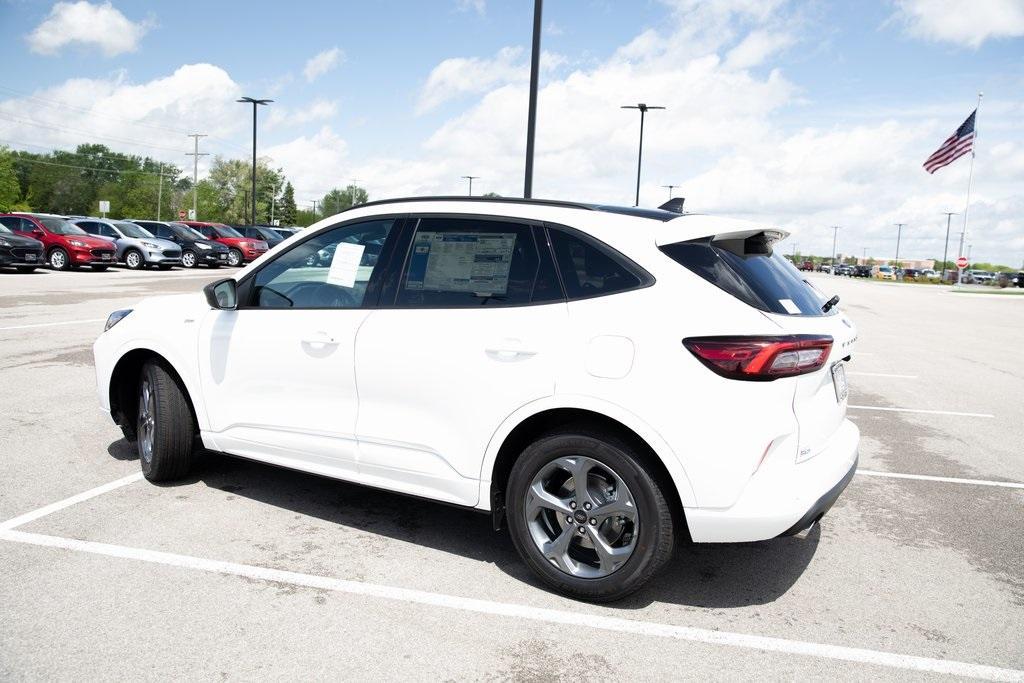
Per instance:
(956,145)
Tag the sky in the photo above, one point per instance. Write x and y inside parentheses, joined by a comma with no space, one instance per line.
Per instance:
(801,115)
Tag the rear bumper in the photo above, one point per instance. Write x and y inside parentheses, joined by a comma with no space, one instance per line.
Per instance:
(781,500)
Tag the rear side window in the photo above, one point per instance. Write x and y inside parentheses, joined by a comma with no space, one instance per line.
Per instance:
(751,272)
(590,269)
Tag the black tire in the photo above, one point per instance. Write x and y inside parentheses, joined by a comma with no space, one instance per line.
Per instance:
(25,269)
(100,269)
(169,456)
(655,536)
(235,258)
(134,260)
(189,259)
(63,261)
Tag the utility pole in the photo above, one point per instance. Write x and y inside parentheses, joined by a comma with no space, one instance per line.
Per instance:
(945,250)
(195,172)
(670,188)
(470,178)
(314,208)
(865,256)
(899,232)
(835,234)
(352,199)
(531,113)
(256,103)
(644,108)
(160,192)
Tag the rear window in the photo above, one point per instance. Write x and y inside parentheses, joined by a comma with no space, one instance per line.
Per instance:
(750,271)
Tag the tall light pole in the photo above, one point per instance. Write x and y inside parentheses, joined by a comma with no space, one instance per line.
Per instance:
(160,192)
(470,178)
(945,250)
(899,232)
(670,188)
(195,154)
(531,113)
(352,193)
(644,108)
(255,105)
(835,234)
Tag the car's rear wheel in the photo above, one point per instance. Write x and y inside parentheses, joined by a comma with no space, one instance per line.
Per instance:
(234,258)
(587,517)
(58,259)
(164,426)
(133,259)
(188,259)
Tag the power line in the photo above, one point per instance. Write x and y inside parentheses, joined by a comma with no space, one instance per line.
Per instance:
(68,129)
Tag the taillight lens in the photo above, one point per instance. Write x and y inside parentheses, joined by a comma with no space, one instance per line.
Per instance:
(761,358)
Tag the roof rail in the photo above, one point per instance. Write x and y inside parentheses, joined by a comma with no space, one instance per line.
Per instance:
(463,198)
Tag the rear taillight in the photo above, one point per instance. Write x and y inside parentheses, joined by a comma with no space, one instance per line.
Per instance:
(761,358)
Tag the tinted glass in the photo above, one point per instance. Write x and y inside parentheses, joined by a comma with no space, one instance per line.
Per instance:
(767,281)
(59,226)
(132,230)
(331,270)
(91,228)
(469,263)
(226,231)
(3,227)
(590,269)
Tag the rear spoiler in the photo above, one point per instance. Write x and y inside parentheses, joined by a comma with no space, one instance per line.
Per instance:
(692,226)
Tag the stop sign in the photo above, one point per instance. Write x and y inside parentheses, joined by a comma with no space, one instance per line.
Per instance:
(962,262)
(181,215)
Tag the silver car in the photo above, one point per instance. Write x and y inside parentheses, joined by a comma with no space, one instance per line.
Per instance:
(136,246)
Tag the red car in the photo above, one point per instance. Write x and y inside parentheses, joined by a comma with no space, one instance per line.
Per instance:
(241,249)
(65,245)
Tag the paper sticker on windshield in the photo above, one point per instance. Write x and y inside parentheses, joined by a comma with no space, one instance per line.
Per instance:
(790,306)
(345,265)
(473,262)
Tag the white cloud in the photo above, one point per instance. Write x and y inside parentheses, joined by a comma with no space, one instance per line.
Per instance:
(83,22)
(959,22)
(478,6)
(318,110)
(314,163)
(321,63)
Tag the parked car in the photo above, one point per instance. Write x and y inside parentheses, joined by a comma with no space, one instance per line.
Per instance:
(910,273)
(929,274)
(261,232)
(471,363)
(136,247)
(24,254)
(807,265)
(66,245)
(885,273)
(980,277)
(845,270)
(195,249)
(862,271)
(1017,279)
(241,249)
(285,233)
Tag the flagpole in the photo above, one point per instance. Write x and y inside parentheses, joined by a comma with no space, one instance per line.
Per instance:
(970,180)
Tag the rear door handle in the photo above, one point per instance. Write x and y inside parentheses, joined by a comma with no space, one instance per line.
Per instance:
(509,350)
(320,339)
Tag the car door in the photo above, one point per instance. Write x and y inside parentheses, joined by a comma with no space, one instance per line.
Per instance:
(278,373)
(469,331)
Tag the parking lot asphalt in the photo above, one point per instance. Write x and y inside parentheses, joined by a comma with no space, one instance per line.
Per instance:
(245,571)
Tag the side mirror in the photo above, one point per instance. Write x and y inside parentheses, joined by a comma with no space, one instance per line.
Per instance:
(222,295)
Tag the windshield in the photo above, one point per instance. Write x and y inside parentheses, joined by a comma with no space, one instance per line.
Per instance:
(132,230)
(59,226)
(283,232)
(884,269)
(188,231)
(4,229)
(226,231)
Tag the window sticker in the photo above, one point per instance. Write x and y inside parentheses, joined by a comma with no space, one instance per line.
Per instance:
(345,264)
(473,262)
(790,306)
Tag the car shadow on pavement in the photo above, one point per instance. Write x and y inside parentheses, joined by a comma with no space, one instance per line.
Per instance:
(123,450)
(699,575)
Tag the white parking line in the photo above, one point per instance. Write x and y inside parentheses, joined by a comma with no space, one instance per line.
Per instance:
(879,374)
(66,322)
(528,612)
(950,480)
(68,502)
(921,410)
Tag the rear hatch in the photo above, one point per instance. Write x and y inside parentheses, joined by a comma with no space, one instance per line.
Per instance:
(746,264)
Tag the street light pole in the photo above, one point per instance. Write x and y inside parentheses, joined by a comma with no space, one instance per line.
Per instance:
(670,188)
(835,234)
(945,250)
(644,108)
(255,105)
(195,172)
(160,192)
(470,178)
(899,232)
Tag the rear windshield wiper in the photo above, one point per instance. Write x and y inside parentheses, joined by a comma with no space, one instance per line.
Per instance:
(830,304)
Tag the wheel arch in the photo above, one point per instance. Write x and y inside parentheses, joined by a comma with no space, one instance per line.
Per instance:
(525,426)
(124,379)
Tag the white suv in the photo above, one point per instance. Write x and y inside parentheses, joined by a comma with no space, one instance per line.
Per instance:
(605,381)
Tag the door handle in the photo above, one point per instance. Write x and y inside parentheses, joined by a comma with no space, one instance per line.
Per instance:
(320,339)
(509,350)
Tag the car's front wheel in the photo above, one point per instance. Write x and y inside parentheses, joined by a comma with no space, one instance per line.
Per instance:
(59,259)
(165,428)
(133,259)
(188,259)
(587,516)
(234,258)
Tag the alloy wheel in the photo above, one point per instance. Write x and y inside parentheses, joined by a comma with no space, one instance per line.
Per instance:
(133,260)
(188,259)
(582,517)
(58,260)
(147,420)
(234,258)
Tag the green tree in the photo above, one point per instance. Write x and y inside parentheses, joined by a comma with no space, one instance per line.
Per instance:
(288,210)
(491,195)
(10,189)
(337,200)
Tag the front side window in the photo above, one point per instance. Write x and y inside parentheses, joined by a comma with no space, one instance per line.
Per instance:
(455,263)
(132,230)
(330,270)
(590,269)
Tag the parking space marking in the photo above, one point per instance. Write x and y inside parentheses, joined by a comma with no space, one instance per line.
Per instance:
(878,374)
(66,322)
(528,612)
(950,480)
(921,410)
(68,502)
